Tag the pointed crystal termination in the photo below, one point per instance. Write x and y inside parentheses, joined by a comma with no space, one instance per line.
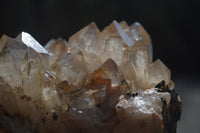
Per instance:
(137,32)
(73,69)
(105,80)
(159,72)
(115,43)
(29,41)
(85,38)
(11,54)
(58,48)
(140,59)
(109,70)
(123,34)
(98,81)
(125,27)
(85,41)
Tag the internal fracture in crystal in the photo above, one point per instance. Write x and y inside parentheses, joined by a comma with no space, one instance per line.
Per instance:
(98,81)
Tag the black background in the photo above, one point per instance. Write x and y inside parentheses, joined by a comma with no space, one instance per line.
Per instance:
(174,25)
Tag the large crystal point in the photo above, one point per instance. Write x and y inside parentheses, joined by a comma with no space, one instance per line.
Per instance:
(115,43)
(85,38)
(32,71)
(29,41)
(140,58)
(76,68)
(98,81)
(11,54)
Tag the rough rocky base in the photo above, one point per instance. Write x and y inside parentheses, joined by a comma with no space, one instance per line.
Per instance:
(96,82)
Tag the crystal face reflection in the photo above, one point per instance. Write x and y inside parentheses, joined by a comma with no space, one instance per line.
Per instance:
(97,81)
(28,40)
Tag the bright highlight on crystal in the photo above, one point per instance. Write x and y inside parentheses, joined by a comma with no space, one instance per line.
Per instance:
(97,82)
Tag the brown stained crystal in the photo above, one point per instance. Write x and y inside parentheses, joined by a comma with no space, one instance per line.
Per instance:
(109,70)
(64,87)
(98,81)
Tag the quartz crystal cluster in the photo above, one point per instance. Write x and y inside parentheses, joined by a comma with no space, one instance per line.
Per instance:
(96,82)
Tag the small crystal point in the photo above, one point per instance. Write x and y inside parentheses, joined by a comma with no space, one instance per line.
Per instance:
(159,72)
(110,66)
(49,43)
(137,32)
(56,48)
(123,34)
(110,70)
(76,68)
(128,70)
(125,27)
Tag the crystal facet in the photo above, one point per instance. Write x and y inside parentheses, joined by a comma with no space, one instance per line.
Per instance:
(98,81)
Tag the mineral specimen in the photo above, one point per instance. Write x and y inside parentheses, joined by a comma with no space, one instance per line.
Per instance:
(98,81)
